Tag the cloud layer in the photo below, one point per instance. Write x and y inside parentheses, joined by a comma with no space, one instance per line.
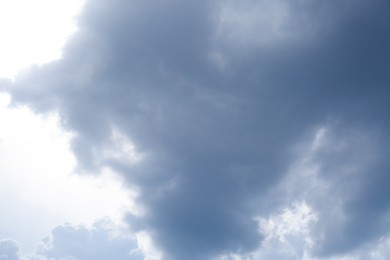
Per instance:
(218,101)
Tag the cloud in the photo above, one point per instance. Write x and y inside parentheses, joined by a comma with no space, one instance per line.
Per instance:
(329,174)
(80,242)
(38,179)
(102,240)
(215,119)
(287,235)
(316,218)
(9,250)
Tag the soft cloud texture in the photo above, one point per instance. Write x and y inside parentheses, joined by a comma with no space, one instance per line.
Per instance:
(220,101)
(9,250)
(80,242)
(38,181)
(99,241)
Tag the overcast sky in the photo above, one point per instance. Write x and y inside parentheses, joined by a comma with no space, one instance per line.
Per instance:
(183,129)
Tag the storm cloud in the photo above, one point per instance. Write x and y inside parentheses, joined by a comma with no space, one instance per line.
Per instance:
(220,101)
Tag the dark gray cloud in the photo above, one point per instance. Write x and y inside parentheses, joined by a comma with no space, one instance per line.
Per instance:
(337,176)
(215,94)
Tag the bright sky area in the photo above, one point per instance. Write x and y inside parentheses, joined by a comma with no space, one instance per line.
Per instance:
(36,162)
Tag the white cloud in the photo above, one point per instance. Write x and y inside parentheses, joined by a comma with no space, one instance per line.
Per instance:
(313,199)
(286,234)
(120,148)
(291,222)
(148,247)
(98,241)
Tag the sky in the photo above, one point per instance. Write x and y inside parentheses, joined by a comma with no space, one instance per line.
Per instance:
(197,130)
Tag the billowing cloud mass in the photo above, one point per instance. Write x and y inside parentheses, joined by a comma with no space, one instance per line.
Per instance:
(251,129)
